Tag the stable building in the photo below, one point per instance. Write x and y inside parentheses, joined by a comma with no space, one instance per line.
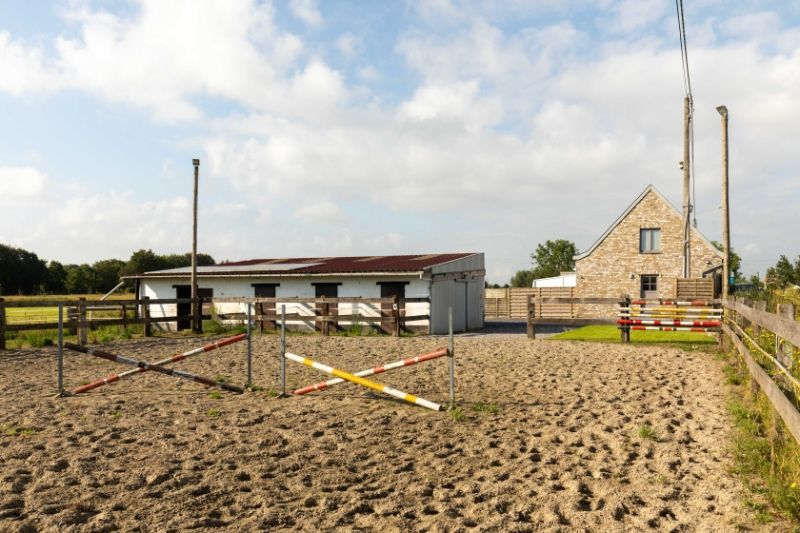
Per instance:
(434,283)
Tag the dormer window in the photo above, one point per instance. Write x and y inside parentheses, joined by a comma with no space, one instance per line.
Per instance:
(649,240)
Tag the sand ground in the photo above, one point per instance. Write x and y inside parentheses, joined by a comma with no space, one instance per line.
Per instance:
(562,452)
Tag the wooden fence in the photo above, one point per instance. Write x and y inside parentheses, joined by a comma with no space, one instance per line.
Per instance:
(775,374)
(513,302)
(388,314)
(694,288)
(536,317)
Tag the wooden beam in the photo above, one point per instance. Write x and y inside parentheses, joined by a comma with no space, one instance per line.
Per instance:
(782,405)
(783,327)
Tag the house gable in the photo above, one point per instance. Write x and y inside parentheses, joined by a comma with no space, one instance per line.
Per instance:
(615,266)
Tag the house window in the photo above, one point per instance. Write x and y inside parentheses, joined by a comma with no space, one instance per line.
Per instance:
(649,286)
(649,240)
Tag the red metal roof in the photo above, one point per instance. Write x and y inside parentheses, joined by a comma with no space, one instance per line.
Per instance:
(331,265)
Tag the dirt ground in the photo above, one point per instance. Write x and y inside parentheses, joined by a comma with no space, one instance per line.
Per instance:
(559,447)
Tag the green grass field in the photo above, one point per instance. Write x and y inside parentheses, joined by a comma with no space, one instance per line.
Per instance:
(35,315)
(611,334)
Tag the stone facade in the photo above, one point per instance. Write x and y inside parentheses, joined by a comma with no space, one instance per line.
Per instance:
(614,265)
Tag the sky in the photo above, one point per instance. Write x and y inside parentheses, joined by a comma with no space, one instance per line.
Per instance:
(366,128)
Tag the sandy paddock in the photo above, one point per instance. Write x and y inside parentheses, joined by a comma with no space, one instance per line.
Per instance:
(563,453)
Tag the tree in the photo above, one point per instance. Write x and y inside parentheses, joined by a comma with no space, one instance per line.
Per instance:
(107,273)
(523,278)
(56,278)
(782,274)
(21,271)
(553,257)
(550,259)
(735,262)
(81,279)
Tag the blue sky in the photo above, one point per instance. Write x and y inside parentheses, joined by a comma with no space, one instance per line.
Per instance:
(349,128)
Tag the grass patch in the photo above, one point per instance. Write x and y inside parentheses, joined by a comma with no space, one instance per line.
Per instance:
(647,432)
(484,407)
(457,414)
(213,412)
(609,333)
(766,456)
(215,395)
(16,431)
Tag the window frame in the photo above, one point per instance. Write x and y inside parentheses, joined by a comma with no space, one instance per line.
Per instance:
(646,237)
(648,277)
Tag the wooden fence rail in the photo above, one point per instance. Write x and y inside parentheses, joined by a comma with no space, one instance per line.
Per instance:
(782,326)
(388,313)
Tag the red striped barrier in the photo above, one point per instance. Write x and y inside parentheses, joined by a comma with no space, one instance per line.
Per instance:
(651,322)
(155,368)
(173,359)
(695,303)
(673,328)
(377,370)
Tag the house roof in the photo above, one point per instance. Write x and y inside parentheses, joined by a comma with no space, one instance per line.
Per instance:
(411,264)
(637,201)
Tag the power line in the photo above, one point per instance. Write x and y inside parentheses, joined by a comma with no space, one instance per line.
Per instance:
(687,85)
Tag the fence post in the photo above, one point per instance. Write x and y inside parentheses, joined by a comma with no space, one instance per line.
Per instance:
(325,324)
(124,310)
(396,309)
(283,351)
(197,305)
(146,316)
(625,330)
(531,314)
(451,357)
(2,324)
(83,334)
(249,346)
(60,353)
(784,353)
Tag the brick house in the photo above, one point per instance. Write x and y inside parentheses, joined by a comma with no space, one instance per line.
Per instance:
(641,254)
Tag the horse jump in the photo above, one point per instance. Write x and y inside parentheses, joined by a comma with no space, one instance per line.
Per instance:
(144,366)
(173,359)
(410,398)
(377,370)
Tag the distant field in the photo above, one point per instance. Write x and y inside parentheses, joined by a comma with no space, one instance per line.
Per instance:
(35,315)
(611,334)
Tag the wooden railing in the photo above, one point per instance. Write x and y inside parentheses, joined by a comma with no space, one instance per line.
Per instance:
(388,313)
(775,374)
(535,317)
(513,302)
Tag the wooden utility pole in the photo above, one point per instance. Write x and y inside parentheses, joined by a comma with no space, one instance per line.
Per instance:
(196,324)
(726,221)
(687,117)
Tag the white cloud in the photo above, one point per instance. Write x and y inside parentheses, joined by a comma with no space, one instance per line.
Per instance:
(307,11)
(23,69)
(21,183)
(320,212)
(348,44)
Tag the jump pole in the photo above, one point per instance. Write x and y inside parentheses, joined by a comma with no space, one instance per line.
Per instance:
(175,358)
(372,371)
(410,398)
(451,357)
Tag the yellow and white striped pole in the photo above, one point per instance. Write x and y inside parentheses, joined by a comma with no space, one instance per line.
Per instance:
(410,398)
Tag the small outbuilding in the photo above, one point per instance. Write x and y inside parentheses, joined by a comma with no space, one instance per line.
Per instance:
(433,282)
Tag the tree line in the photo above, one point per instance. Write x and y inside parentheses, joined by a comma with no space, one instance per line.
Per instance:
(24,273)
